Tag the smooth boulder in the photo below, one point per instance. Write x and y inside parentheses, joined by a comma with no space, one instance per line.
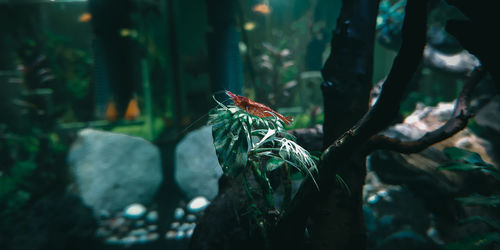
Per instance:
(111,170)
(197,169)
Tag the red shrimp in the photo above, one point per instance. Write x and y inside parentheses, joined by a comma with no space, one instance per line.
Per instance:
(255,108)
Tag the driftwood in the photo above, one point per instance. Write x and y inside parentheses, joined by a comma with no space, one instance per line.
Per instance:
(333,215)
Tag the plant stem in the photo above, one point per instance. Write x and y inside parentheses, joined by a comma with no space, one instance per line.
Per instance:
(264,184)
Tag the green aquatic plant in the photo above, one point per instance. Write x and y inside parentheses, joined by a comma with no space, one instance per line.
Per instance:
(244,140)
(464,160)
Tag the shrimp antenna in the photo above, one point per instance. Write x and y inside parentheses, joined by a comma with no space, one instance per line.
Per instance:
(220,92)
(205,115)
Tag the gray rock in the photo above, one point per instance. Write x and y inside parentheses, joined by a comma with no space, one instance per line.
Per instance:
(464,142)
(459,63)
(489,115)
(113,170)
(404,131)
(197,169)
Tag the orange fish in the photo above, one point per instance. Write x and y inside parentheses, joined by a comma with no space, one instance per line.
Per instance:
(255,108)
(111,113)
(262,8)
(132,110)
(85,17)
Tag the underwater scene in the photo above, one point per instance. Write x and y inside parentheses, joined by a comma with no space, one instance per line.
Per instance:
(249,124)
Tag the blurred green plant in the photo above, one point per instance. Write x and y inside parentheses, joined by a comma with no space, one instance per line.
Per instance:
(389,22)
(463,160)
(72,71)
(276,74)
(32,155)
(31,167)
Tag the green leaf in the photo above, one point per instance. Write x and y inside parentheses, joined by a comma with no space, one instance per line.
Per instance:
(274,163)
(493,172)
(475,242)
(269,136)
(297,176)
(493,200)
(483,219)
(22,169)
(231,138)
(458,166)
(343,183)
(459,154)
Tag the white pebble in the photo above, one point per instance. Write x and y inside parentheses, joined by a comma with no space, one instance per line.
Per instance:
(175,225)
(197,204)
(129,240)
(142,239)
(152,217)
(179,213)
(153,236)
(191,217)
(180,235)
(189,233)
(112,240)
(116,223)
(138,232)
(170,235)
(134,211)
(102,232)
(383,193)
(185,226)
(373,199)
(140,223)
(152,227)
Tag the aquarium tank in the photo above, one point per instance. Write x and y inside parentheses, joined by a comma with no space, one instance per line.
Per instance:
(249,124)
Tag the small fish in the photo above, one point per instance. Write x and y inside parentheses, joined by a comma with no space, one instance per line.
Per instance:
(255,108)
(85,17)
(249,26)
(132,110)
(111,112)
(262,8)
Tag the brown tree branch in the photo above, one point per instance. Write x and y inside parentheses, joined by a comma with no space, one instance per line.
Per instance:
(291,226)
(459,120)
(404,66)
